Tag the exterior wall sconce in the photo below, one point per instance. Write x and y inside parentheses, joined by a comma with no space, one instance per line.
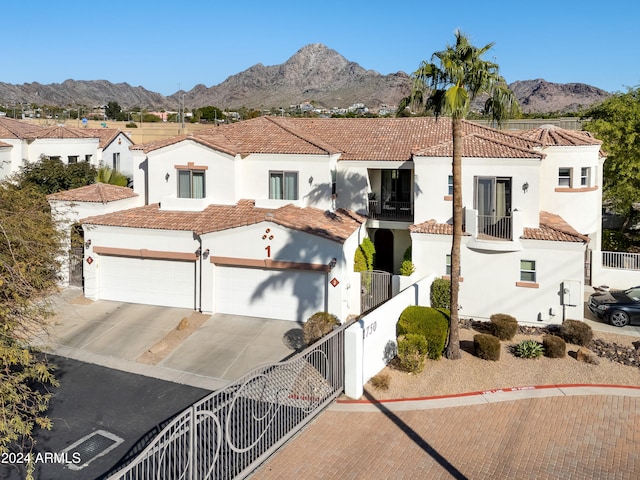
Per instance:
(205,254)
(310,180)
(198,252)
(525,187)
(87,244)
(332,263)
(166,177)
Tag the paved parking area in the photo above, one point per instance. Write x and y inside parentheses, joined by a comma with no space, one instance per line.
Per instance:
(117,334)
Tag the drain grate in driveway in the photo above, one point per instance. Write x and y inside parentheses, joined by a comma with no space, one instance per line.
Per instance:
(90,447)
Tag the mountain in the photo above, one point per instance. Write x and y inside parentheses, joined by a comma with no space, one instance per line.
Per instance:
(315,74)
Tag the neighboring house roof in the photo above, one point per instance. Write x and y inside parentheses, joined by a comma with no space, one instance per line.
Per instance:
(58,131)
(106,135)
(552,135)
(16,129)
(337,226)
(94,193)
(382,139)
(552,227)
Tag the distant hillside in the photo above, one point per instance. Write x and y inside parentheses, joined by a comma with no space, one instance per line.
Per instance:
(313,74)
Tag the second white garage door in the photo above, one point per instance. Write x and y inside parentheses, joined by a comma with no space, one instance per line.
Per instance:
(280,294)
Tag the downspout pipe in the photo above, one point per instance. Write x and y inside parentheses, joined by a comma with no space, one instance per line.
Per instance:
(198,290)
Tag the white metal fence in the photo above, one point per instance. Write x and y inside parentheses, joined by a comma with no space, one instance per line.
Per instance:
(231,431)
(621,260)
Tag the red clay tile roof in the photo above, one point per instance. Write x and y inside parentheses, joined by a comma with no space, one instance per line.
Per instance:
(433,227)
(59,131)
(554,228)
(476,145)
(336,226)
(385,139)
(551,135)
(106,135)
(94,193)
(16,129)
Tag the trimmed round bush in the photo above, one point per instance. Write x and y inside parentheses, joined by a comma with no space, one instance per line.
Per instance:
(412,350)
(487,346)
(503,326)
(431,323)
(576,332)
(554,346)
(318,325)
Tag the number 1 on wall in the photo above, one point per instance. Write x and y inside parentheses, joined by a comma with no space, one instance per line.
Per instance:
(268,249)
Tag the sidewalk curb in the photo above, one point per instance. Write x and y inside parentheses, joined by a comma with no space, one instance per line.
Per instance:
(484,397)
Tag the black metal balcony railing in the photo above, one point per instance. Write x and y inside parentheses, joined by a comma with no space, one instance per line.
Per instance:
(400,211)
(491,227)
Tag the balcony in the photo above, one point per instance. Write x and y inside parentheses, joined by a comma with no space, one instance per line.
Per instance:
(394,211)
(490,232)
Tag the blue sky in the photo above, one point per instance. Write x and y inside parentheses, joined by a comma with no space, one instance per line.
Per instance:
(165,46)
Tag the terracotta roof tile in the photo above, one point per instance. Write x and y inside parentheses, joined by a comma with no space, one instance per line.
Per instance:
(106,135)
(59,131)
(554,228)
(94,193)
(433,227)
(382,139)
(336,226)
(16,129)
(552,135)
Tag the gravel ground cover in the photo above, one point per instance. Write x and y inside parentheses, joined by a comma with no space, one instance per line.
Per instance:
(617,365)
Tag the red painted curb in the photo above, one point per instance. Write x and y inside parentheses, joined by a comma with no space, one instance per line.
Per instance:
(499,390)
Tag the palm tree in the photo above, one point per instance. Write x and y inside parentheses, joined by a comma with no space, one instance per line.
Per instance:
(448,84)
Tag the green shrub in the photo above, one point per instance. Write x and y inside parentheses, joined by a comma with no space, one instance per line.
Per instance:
(407,268)
(364,257)
(318,325)
(131,125)
(503,326)
(528,349)
(576,332)
(431,323)
(407,254)
(614,241)
(554,346)
(486,346)
(440,293)
(412,350)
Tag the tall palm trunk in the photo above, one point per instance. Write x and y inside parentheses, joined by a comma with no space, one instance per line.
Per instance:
(453,349)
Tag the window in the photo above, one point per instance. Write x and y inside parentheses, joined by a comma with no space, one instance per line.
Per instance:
(116,161)
(448,264)
(73,159)
(283,185)
(528,271)
(585,177)
(450,185)
(87,157)
(191,184)
(564,177)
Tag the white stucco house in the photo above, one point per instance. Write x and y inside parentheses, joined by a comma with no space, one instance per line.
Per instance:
(22,142)
(263,217)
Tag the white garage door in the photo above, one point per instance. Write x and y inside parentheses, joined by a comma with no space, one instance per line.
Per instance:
(280,294)
(168,283)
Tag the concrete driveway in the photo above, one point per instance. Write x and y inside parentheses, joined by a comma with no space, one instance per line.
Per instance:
(119,335)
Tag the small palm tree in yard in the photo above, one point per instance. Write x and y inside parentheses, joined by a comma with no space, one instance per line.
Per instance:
(447,85)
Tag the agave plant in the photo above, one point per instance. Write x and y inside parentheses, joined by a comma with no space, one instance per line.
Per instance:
(528,349)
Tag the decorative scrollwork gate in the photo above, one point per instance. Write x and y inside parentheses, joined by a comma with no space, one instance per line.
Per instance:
(231,431)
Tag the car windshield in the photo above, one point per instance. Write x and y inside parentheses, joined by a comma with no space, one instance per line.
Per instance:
(634,294)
